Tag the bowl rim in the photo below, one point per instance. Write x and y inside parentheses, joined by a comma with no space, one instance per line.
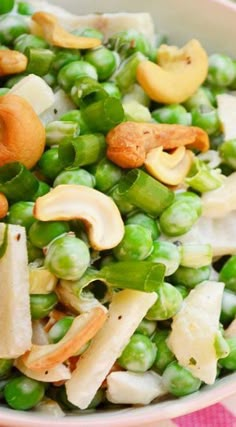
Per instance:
(142,416)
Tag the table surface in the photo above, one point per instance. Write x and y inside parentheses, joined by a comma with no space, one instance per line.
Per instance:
(220,415)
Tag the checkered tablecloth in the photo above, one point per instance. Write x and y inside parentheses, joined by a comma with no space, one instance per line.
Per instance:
(220,415)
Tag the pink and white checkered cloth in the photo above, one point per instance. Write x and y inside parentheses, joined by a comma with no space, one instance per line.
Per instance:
(220,415)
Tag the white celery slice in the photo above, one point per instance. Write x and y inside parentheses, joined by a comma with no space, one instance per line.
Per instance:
(126,311)
(222,201)
(227,114)
(132,388)
(36,91)
(61,105)
(194,330)
(15,318)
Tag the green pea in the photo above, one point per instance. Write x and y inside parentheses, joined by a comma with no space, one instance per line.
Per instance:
(64,57)
(42,189)
(33,252)
(228,153)
(178,218)
(75,176)
(42,233)
(136,244)
(24,8)
(168,303)
(146,327)
(123,204)
(171,114)
(59,330)
(221,71)
(228,273)
(147,222)
(74,70)
(190,277)
(75,116)
(107,174)
(202,96)
(165,253)
(23,393)
(88,32)
(206,117)
(103,60)
(164,355)
(139,354)
(6,6)
(12,26)
(111,89)
(228,308)
(50,164)
(42,304)
(21,213)
(128,42)
(25,41)
(179,381)
(229,362)
(5,367)
(68,258)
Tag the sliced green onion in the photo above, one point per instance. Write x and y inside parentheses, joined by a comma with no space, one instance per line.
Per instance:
(4,91)
(83,150)
(140,275)
(222,348)
(17,182)
(58,131)
(39,61)
(86,91)
(103,115)
(202,178)
(195,256)
(145,192)
(137,112)
(125,76)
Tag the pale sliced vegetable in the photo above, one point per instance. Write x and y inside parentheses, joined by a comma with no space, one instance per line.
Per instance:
(136,112)
(218,203)
(227,114)
(39,337)
(126,311)
(98,211)
(194,330)
(36,91)
(62,104)
(220,233)
(41,280)
(132,388)
(83,328)
(58,373)
(50,407)
(230,332)
(211,158)
(15,318)
(108,23)
(169,168)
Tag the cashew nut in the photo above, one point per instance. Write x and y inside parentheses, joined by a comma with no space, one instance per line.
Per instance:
(84,328)
(129,142)
(57,36)
(3,205)
(98,211)
(12,62)
(179,74)
(169,168)
(22,135)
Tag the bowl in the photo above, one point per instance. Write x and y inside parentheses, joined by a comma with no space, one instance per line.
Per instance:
(213,23)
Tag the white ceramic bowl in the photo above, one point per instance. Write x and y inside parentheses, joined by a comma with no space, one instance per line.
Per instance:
(213,23)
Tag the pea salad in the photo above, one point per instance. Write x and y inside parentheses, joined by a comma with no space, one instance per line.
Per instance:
(117,208)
